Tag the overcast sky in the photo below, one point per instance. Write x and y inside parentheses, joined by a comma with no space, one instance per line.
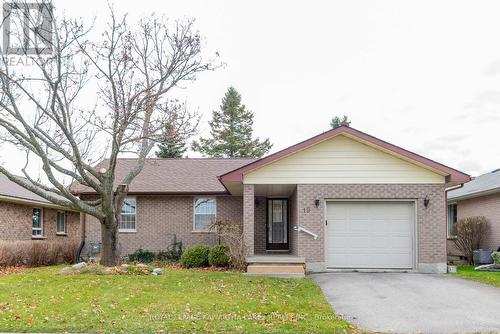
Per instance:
(424,75)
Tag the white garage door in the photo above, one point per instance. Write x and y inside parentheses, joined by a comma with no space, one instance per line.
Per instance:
(370,235)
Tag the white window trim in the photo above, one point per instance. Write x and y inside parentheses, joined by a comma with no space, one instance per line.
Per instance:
(39,236)
(448,235)
(65,232)
(194,229)
(129,230)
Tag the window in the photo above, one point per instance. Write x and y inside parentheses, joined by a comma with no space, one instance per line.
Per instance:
(37,223)
(61,222)
(127,218)
(452,218)
(204,213)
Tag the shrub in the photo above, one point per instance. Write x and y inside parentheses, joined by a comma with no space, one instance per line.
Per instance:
(195,256)
(231,234)
(218,256)
(470,234)
(37,252)
(173,255)
(496,257)
(142,256)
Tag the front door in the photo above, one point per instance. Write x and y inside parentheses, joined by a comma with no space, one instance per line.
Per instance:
(277,224)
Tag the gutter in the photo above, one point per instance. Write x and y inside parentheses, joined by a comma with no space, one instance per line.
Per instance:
(30,202)
(476,194)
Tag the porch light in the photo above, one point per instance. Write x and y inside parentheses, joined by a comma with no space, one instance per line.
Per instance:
(426,201)
(316,202)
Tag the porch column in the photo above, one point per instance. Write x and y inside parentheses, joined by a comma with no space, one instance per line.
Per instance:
(248,217)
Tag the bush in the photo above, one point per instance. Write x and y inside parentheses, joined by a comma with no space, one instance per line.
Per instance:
(218,256)
(195,256)
(231,234)
(470,234)
(173,255)
(37,252)
(496,257)
(142,256)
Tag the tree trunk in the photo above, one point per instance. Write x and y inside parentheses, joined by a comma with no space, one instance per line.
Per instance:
(109,237)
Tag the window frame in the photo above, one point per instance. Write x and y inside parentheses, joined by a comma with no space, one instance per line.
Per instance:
(128,230)
(197,230)
(41,235)
(449,224)
(65,231)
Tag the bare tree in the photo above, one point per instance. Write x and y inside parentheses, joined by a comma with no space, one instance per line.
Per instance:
(94,96)
(470,233)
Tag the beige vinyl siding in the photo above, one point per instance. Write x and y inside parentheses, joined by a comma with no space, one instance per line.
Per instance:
(341,160)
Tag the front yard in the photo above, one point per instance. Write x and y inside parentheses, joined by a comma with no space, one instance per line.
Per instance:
(492,278)
(41,300)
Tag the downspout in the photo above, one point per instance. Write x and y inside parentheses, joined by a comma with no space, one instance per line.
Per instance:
(446,210)
(83,221)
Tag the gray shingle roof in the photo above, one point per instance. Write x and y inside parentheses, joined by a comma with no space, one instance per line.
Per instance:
(15,191)
(483,184)
(174,176)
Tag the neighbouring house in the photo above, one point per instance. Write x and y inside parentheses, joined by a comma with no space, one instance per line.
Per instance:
(341,199)
(479,197)
(27,216)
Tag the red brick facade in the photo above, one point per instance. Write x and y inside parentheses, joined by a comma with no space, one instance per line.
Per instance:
(488,206)
(16,222)
(431,221)
(160,218)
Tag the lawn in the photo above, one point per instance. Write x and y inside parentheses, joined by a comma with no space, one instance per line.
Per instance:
(41,300)
(492,278)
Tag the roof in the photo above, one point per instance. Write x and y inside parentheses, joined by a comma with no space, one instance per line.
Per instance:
(453,176)
(12,191)
(482,185)
(174,176)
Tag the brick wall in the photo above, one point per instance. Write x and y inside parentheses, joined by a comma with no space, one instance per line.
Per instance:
(249,218)
(16,222)
(159,218)
(260,212)
(488,206)
(294,216)
(431,221)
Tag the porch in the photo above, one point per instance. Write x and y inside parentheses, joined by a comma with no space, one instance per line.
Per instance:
(270,225)
(270,219)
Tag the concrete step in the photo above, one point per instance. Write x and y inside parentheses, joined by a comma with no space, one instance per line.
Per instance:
(278,270)
(275,259)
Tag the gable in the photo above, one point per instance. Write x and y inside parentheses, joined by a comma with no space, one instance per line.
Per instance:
(341,159)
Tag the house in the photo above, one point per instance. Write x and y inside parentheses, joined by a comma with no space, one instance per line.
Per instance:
(341,199)
(479,197)
(27,216)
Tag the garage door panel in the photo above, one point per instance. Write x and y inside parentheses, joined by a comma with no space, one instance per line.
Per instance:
(387,260)
(367,242)
(370,234)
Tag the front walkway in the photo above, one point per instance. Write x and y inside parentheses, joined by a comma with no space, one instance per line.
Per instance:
(409,303)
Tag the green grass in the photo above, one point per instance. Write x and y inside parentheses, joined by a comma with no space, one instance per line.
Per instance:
(492,278)
(41,300)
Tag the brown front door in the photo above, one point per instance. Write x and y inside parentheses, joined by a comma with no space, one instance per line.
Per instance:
(277,224)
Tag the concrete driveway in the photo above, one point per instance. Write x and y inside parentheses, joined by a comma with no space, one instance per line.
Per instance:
(411,303)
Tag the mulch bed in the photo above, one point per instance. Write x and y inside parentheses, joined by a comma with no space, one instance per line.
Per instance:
(12,270)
